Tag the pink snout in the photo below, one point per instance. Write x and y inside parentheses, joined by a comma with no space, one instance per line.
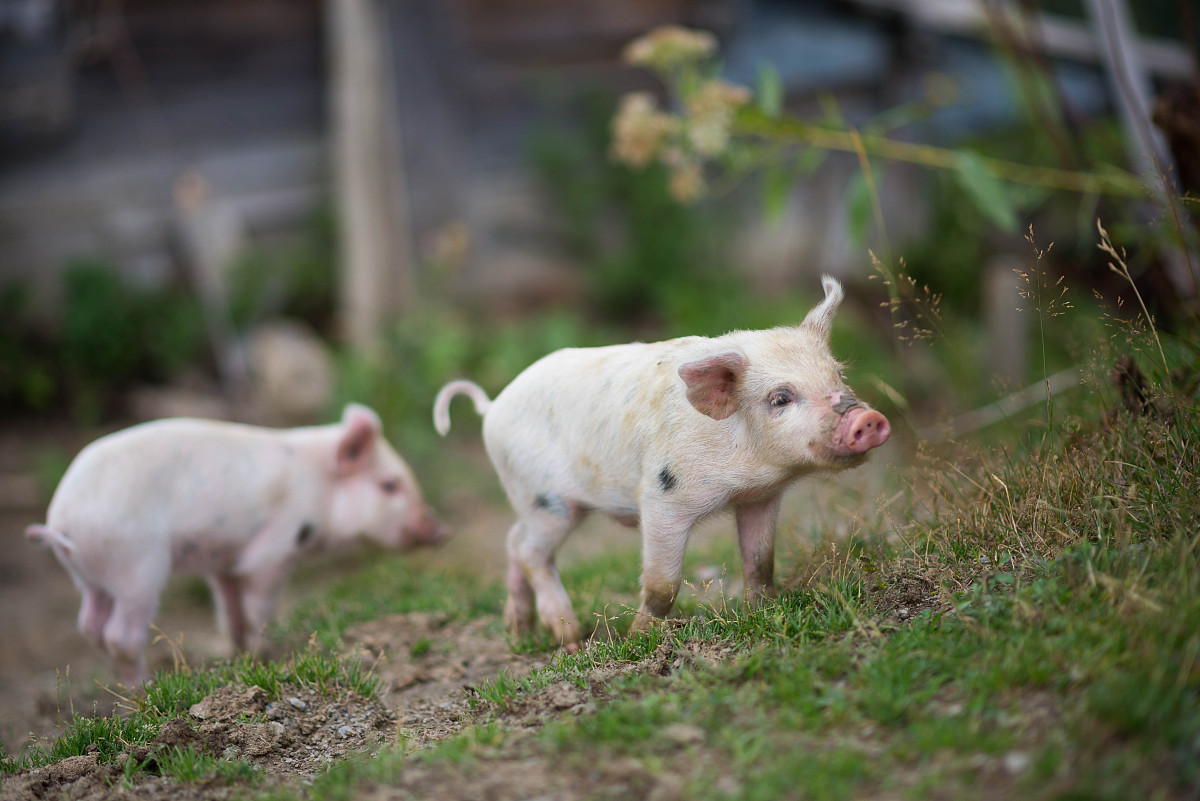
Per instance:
(861,430)
(427,529)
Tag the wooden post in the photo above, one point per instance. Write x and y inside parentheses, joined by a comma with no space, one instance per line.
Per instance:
(375,274)
(1148,152)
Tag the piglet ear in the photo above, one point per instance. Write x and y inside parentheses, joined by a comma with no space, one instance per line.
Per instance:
(712,383)
(820,319)
(360,429)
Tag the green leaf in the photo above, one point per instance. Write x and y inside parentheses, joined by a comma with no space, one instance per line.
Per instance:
(986,191)
(770,90)
(776,185)
(858,208)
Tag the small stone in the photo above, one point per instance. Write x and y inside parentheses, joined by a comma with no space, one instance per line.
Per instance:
(297,703)
(727,785)
(684,733)
(1016,762)
(274,711)
(564,695)
(667,787)
(624,769)
(345,731)
(262,739)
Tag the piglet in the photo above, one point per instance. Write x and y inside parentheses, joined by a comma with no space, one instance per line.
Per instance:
(235,503)
(663,435)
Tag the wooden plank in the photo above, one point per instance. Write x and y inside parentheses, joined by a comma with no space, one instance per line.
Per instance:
(1063,38)
(376,265)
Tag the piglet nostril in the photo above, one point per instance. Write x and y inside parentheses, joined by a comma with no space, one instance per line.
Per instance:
(865,429)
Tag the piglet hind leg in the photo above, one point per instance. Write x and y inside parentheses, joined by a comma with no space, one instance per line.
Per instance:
(95,608)
(126,632)
(520,612)
(94,613)
(227,598)
(664,540)
(532,543)
(756,540)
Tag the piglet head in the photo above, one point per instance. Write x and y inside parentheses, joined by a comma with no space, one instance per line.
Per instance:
(374,493)
(788,394)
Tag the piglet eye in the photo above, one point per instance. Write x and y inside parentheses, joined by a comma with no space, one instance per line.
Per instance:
(391,486)
(780,398)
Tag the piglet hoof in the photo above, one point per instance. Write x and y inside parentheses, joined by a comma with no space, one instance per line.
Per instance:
(643,621)
(518,625)
(756,597)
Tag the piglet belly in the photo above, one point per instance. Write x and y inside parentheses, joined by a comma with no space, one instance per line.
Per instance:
(204,554)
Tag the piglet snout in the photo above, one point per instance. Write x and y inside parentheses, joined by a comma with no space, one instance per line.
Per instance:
(861,430)
(428,530)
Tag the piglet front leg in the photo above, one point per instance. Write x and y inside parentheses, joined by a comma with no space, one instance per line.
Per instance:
(665,534)
(246,603)
(756,540)
(260,597)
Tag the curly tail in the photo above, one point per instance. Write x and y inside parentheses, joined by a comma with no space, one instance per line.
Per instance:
(441,406)
(46,536)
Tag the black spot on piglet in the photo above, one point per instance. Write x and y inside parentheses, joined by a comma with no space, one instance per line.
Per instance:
(305,534)
(666,479)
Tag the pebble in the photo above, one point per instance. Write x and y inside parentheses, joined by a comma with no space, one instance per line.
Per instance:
(345,731)
(296,702)
(1016,762)
(684,733)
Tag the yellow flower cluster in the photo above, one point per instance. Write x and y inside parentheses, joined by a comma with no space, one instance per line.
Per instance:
(643,133)
(710,113)
(669,47)
(639,129)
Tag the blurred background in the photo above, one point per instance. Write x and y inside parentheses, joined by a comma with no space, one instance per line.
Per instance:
(199,199)
(262,209)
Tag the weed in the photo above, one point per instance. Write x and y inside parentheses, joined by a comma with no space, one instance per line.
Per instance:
(107,736)
(189,766)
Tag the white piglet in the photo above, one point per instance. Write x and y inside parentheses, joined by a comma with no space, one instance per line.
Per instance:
(663,435)
(236,503)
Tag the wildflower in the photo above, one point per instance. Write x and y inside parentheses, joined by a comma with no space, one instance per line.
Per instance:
(669,47)
(710,114)
(639,129)
(686,183)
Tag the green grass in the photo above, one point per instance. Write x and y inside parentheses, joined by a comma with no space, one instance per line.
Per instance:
(172,692)
(389,586)
(190,766)
(1061,658)
(1065,661)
